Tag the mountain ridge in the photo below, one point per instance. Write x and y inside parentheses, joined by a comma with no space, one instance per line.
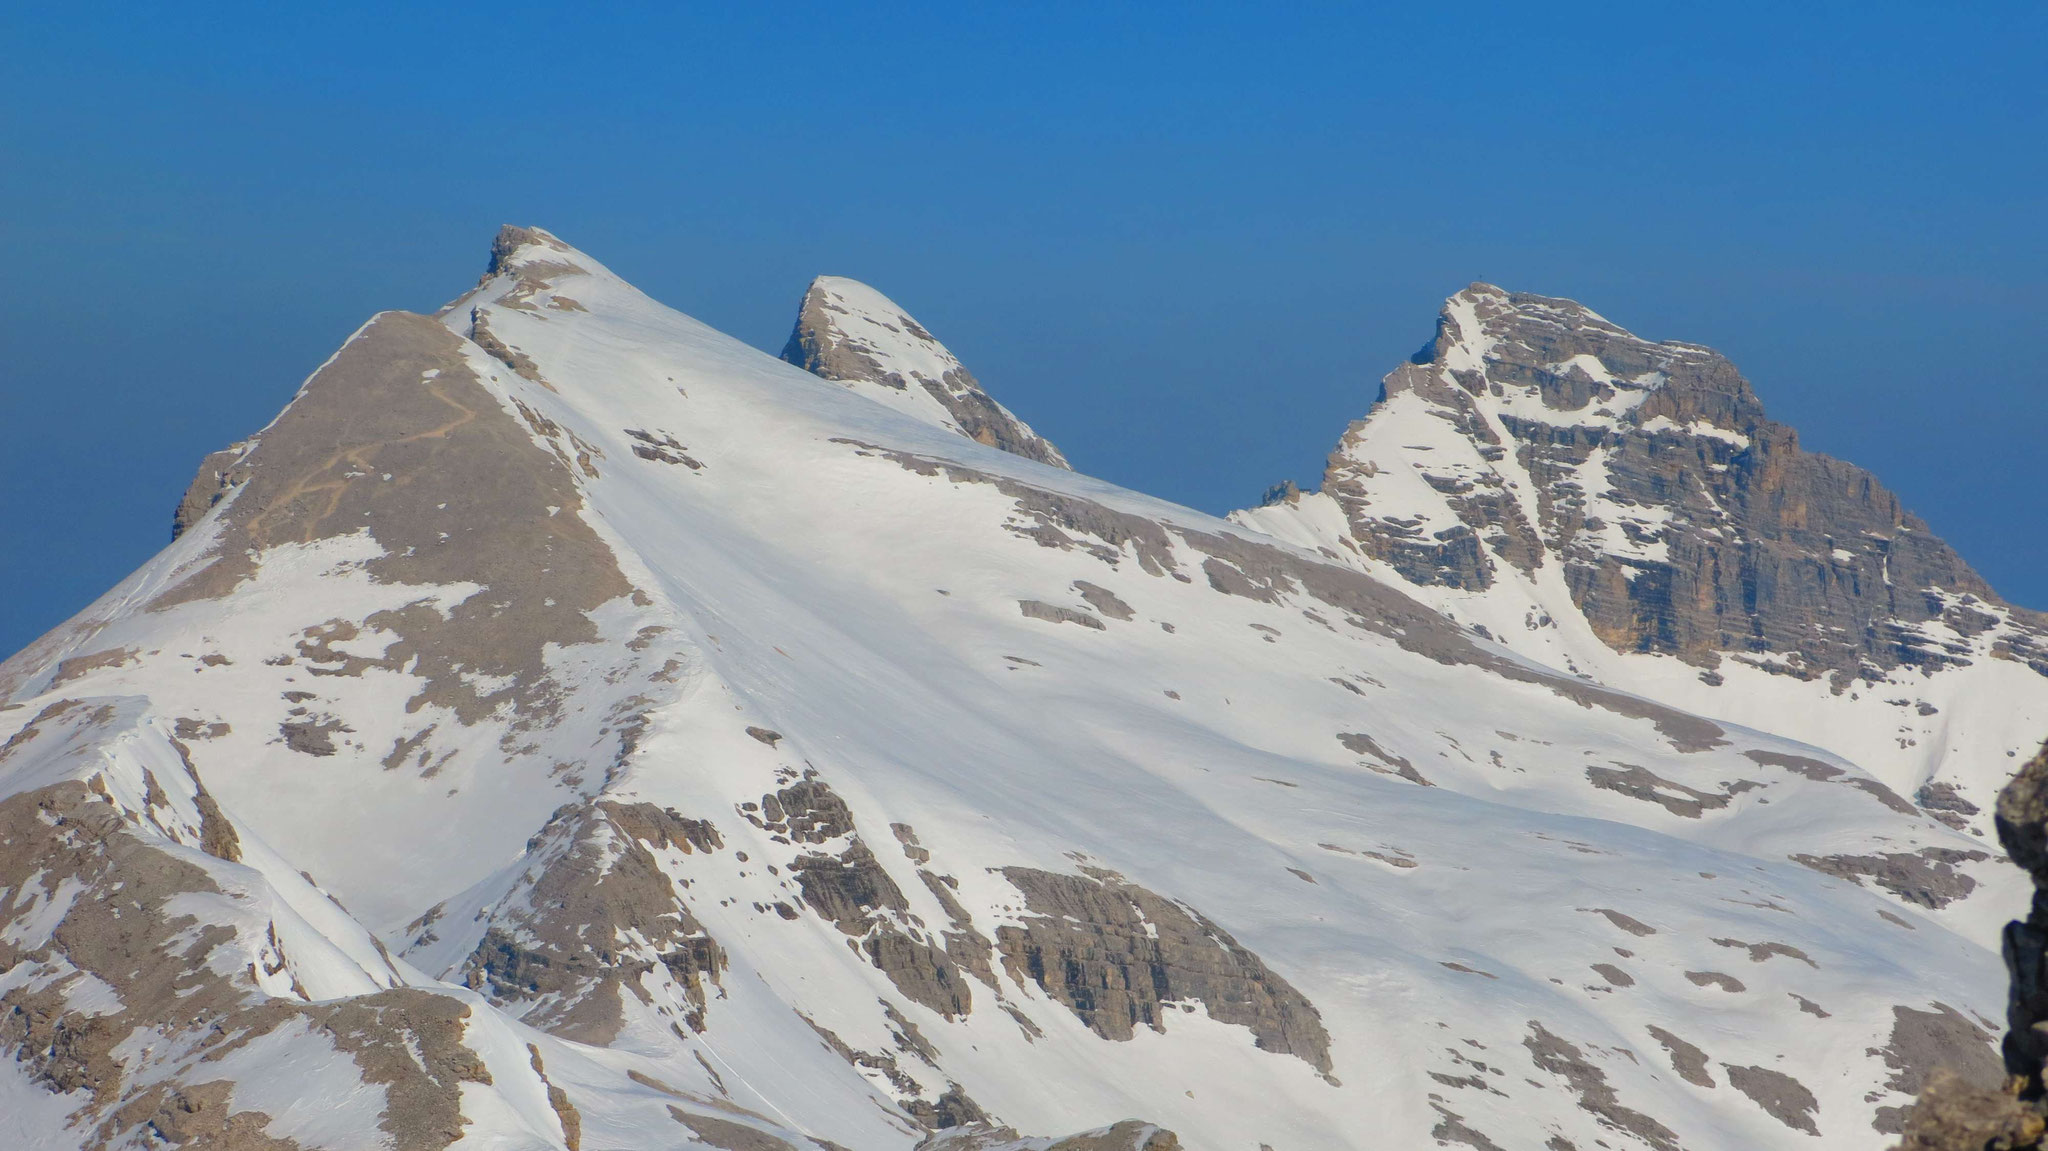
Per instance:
(689,746)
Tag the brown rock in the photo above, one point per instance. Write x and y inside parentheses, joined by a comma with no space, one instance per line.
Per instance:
(833,341)
(121,931)
(1768,548)
(1953,1115)
(479,506)
(596,915)
(1116,954)
(1944,1056)
(1257,570)
(1597,1097)
(857,894)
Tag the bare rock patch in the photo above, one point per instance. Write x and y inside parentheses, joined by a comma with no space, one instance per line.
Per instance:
(596,917)
(1104,600)
(1359,743)
(480,503)
(1690,1062)
(1627,923)
(1929,877)
(1115,954)
(1782,1097)
(1641,783)
(1726,983)
(1038,609)
(1597,1097)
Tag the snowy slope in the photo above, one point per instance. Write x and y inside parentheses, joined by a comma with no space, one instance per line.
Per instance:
(1623,509)
(619,723)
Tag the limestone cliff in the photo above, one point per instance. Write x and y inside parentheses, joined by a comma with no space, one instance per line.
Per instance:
(1685,521)
(1624,508)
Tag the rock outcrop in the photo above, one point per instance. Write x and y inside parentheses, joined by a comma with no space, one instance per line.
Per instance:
(595,916)
(1955,1113)
(1118,955)
(1684,520)
(851,334)
(2023,828)
(481,506)
(137,970)
(851,889)
(1624,509)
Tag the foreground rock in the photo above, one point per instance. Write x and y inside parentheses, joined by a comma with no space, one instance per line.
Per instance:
(1954,1114)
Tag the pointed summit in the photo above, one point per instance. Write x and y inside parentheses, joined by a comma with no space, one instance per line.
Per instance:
(515,247)
(852,334)
(1623,507)
(1564,357)
(525,261)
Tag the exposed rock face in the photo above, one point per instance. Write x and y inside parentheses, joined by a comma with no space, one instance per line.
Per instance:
(1053,613)
(855,892)
(1962,1107)
(217,476)
(1923,1043)
(482,506)
(597,916)
(1565,1060)
(1780,1095)
(1689,1061)
(952,1108)
(1954,1115)
(1684,520)
(1624,509)
(1638,782)
(2023,828)
(854,335)
(1928,878)
(132,1000)
(1117,955)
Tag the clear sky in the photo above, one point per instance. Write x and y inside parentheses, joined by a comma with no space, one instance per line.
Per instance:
(1184,241)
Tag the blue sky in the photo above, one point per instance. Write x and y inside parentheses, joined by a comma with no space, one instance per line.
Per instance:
(1183,241)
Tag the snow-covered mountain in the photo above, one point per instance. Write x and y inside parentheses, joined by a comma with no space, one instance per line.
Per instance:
(565,726)
(1623,509)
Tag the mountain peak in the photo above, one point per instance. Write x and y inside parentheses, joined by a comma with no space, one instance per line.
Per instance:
(1483,315)
(528,270)
(751,767)
(515,247)
(1623,507)
(852,334)
(1551,356)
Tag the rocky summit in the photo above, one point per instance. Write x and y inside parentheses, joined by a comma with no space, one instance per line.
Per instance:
(567,727)
(1624,509)
(847,331)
